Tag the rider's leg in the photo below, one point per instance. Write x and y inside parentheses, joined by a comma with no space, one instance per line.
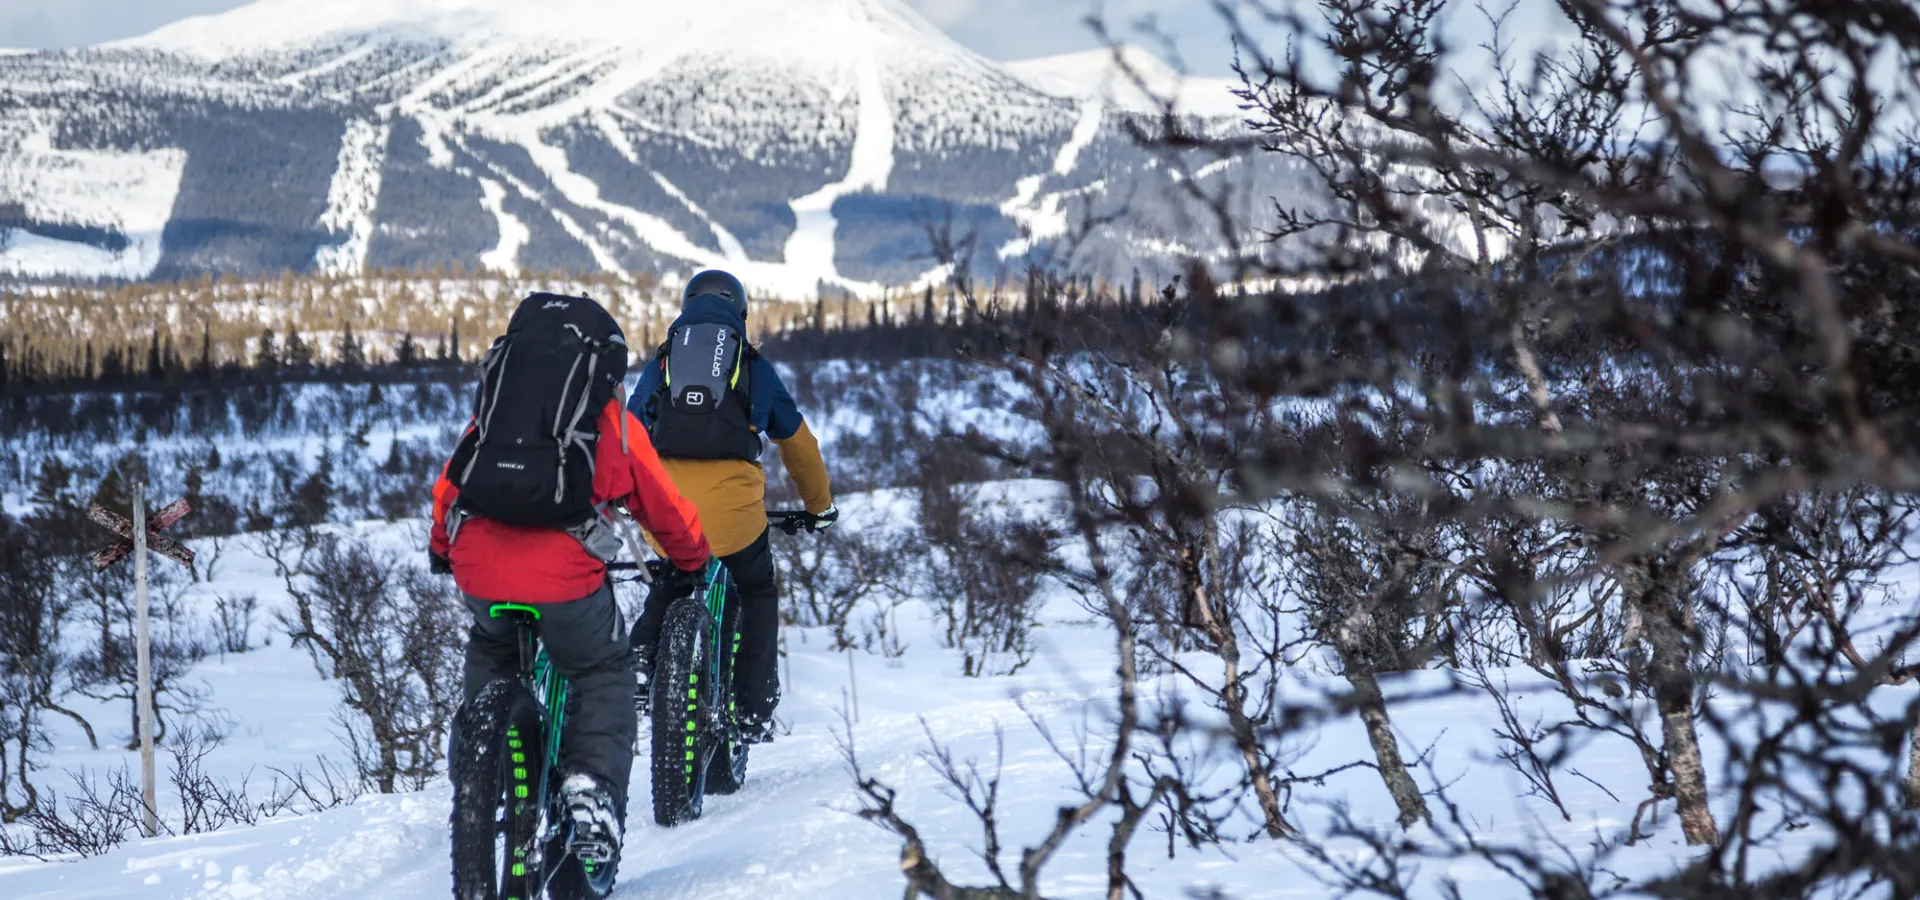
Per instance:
(646,630)
(589,648)
(491,654)
(756,670)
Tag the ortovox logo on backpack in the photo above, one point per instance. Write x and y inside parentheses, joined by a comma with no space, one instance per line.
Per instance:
(702,409)
(543,385)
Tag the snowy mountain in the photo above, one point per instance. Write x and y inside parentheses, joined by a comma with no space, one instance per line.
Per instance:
(1132,79)
(799,142)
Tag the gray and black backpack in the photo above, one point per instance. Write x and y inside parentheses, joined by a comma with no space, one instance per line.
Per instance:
(703,407)
(543,385)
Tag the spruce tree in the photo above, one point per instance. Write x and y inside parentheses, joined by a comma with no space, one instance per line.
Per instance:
(348,353)
(266,357)
(156,367)
(313,498)
(206,350)
(299,352)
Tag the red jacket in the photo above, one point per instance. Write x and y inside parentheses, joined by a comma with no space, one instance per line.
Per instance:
(510,564)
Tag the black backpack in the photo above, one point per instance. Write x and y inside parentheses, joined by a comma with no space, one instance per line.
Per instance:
(702,409)
(543,385)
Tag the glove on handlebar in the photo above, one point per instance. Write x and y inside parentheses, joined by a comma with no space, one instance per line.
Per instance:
(824,520)
(680,582)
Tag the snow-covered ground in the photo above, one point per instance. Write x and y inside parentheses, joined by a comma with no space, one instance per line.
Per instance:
(129,195)
(793,831)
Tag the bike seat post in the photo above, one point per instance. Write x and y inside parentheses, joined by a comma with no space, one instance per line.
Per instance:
(524,618)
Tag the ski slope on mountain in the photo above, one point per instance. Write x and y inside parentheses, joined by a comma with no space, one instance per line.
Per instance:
(125,197)
(581,135)
(515,72)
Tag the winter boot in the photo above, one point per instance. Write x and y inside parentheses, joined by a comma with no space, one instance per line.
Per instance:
(754,730)
(643,680)
(594,836)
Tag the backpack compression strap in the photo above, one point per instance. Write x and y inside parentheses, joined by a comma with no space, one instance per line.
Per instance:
(571,435)
(492,370)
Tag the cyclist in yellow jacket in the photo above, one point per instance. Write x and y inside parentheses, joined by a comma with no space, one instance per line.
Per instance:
(707,400)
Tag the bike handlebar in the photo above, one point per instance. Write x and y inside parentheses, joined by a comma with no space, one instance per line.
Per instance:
(790,521)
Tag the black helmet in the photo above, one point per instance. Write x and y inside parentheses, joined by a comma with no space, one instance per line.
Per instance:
(714,281)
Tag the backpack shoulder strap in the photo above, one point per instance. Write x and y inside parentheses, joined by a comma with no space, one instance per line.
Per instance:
(742,382)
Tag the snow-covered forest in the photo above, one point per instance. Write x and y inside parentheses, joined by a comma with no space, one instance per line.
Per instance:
(1541,524)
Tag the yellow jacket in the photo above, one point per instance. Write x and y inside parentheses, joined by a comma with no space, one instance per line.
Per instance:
(731,494)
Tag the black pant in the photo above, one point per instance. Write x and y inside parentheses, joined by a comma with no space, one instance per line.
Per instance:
(583,638)
(756,677)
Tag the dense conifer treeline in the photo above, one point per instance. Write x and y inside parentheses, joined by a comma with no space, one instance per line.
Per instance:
(392,325)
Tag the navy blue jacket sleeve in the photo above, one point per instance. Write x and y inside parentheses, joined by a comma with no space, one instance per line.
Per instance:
(649,382)
(773,408)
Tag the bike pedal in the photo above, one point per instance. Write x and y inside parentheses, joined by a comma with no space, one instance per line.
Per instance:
(592,852)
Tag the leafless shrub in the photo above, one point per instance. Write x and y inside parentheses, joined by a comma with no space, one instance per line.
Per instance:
(391,635)
(984,572)
(233,622)
(89,820)
(33,665)
(828,579)
(106,669)
(1532,750)
(1595,345)
(97,815)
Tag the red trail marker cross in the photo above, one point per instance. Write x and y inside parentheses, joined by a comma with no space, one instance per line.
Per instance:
(120,525)
(137,537)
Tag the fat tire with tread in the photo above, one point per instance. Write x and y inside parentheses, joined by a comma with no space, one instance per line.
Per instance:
(481,770)
(680,662)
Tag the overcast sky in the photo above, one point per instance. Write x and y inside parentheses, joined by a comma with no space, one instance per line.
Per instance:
(1001,29)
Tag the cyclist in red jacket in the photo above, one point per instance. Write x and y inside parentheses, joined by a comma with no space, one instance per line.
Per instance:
(580,623)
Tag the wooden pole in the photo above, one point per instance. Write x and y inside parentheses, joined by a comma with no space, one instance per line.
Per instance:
(853,682)
(143,661)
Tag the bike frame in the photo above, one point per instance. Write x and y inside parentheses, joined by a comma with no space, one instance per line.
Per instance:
(720,663)
(550,692)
